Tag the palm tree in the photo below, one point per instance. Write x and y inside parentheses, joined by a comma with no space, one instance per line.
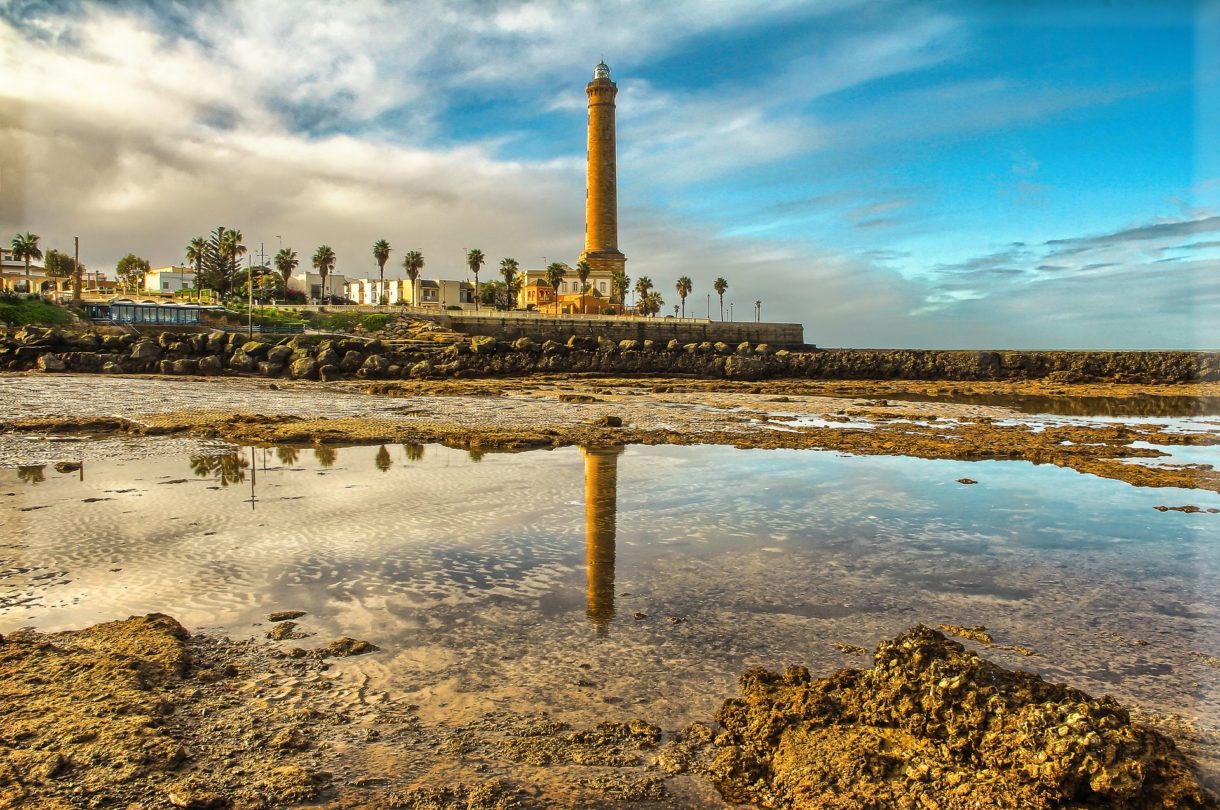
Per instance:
(757,311)
(642,285)
(285,263)
(413,262)
(720,286)
(324,262)
(582,272)
(25,246)
(508,269)
(684,287)
(196,249)
(554,275)
(381,252)
(232,249)
(650,303)
(474,260)
(620,282)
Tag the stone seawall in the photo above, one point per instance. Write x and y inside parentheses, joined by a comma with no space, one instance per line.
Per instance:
(313,357)
(662,330)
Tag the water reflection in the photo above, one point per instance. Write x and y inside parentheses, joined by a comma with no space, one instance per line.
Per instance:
(32,474)
(226,469)
(287,454)
(326,456)
(601,513)
(413,451)
(382,459)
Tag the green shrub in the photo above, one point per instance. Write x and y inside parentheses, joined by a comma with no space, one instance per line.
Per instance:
(375,322)
(19,312)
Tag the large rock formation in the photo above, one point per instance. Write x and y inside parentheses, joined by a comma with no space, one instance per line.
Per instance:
(455,355)
(932,725)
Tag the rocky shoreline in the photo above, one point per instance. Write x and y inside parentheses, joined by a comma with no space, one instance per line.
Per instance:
(416,350)
(142,713)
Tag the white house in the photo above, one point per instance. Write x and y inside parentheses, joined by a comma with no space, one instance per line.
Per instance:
(169,279)
(311,285)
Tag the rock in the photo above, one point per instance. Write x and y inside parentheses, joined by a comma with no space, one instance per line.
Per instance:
(976,633)
(67,466)
(930,722)
(966,481)
(279,354)
(525,344)
(690,348)
(421,369)
(51,363)
(720,347)
(552,347)
(374,366)
(255,348)
(240,361)
(352,361)
(269,369)
(165,366)
(628,345)
(193,799)
(186,366)
(285,631)
(648,345)
(605,344)
(740,367)
(285,615)
(762,348)
(328,356)
(609,421)
(212,364)
(217,342)
(145,350)
(743,347)
(305,369)
(673,345)
(482,344)
(330,373)
(345,647)
(582,343)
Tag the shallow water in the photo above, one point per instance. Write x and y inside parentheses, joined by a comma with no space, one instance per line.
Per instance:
(627,582)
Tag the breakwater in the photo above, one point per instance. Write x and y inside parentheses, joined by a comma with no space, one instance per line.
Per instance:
(317,357)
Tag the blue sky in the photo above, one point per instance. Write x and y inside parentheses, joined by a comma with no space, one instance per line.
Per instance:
(977,175)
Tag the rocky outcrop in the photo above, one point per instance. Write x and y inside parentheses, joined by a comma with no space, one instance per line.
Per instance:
(932,725)
(307,357)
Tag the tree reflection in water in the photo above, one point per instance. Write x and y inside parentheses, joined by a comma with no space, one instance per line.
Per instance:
(287,454)
(32,473)
(413,451)
(227,469)
(326,456)
(382,459)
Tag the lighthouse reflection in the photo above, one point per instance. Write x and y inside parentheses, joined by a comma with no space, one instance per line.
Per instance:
(601,497)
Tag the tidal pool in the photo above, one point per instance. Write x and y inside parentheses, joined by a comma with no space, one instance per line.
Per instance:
(629,582)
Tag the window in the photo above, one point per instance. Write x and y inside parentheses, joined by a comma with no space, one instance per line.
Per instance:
(601,285)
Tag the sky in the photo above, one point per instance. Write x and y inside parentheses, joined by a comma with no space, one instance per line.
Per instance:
(1027,175)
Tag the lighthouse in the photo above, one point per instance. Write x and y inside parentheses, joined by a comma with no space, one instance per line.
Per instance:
(601,194)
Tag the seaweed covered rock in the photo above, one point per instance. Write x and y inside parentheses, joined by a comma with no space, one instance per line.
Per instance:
(932,725)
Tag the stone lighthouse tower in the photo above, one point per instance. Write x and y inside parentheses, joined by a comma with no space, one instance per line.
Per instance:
(601,196)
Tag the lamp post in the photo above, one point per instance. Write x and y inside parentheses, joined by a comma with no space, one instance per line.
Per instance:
(730,312)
